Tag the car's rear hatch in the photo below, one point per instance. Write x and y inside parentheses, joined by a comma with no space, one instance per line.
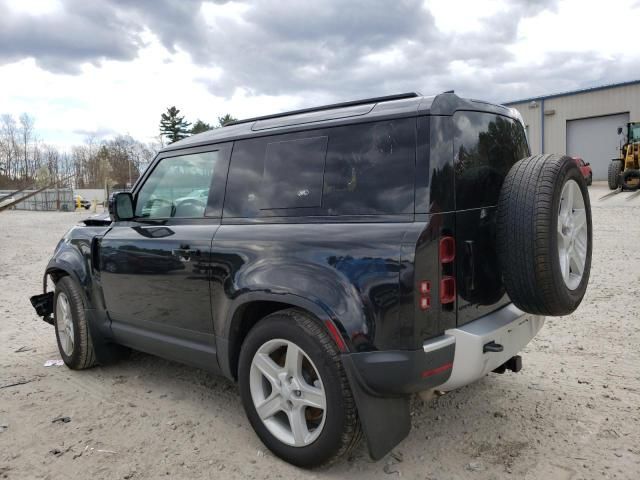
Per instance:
(486,146)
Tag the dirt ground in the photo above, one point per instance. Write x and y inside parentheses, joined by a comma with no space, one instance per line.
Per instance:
(573,412)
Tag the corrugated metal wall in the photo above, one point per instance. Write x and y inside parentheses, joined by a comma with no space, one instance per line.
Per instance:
(559,110)
(596,140)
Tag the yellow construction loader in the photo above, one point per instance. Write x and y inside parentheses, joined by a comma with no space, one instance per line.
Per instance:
(624,172)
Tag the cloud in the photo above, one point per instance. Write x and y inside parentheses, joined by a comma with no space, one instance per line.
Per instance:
(261,56)
(63,40)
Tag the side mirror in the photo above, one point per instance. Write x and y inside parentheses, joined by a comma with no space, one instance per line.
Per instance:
(121,206)
(619,130)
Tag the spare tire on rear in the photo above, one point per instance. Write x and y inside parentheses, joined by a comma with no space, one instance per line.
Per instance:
(544,236)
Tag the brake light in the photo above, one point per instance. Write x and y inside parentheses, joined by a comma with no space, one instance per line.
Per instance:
(447,290)
(425,287)
(447,249)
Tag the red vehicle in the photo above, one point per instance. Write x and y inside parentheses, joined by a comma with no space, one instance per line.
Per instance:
(585,168)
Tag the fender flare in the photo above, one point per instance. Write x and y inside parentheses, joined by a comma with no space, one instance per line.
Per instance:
(224,342)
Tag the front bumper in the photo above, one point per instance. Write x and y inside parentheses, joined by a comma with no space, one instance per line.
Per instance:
(508,327)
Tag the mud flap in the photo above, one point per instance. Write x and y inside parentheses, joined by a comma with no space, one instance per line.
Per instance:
(385,420)
(106,351)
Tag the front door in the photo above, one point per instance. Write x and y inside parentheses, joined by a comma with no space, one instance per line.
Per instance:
(154,270)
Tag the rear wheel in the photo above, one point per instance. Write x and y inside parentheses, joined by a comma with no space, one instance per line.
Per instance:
(615,167)
(544,235)
(295,391)
(72,330)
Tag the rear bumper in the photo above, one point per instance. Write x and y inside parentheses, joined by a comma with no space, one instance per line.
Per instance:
(449,361)
(508,327)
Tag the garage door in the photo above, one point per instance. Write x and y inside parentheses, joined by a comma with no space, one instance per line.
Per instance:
(596,140)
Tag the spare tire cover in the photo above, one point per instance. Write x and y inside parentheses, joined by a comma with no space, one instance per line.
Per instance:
(544,234)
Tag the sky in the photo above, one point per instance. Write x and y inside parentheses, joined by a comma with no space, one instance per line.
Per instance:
(113,66)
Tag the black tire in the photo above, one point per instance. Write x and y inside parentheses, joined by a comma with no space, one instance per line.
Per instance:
(82,355)
(527,235)
(590,180)
(341,431)
(615,167)
(630,174)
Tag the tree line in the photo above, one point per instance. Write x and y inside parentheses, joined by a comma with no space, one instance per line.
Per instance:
(27,161)
(174,127)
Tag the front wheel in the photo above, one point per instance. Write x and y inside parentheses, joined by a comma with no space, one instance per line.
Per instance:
(295,391)
(72,330)
(590,180)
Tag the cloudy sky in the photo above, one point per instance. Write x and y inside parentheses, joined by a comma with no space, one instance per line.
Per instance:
(112,66)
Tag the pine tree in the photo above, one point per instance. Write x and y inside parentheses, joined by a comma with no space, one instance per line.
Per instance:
(227,118)
(173,126)
(199,126)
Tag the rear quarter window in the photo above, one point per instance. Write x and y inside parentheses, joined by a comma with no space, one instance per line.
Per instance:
(362,169)
(370,169)
(486,146)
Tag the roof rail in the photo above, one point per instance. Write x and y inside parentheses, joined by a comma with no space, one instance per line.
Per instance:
(364,101)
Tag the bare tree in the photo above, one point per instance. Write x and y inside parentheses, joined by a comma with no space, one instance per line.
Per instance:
(26,138)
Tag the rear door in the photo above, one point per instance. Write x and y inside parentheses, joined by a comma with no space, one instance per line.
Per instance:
(154,270)
(486,146)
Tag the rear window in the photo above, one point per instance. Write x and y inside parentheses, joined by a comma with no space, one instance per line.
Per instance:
(485,147)
(351,170)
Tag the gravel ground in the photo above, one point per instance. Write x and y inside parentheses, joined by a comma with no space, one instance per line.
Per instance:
(572,412)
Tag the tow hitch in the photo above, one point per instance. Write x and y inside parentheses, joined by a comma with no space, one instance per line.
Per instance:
(514,364)
(43,304)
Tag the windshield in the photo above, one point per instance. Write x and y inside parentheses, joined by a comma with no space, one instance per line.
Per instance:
(634,132)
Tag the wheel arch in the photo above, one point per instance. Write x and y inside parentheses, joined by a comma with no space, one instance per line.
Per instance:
(252,308)
(70,262)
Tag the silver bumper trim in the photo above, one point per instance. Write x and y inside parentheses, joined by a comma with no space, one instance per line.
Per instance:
(509,327)
(438,343)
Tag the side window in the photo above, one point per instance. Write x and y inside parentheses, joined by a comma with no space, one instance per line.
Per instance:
(293,173)
(485,147)
(270,175)
(242,196)
(361,169)
(370,168)
(178,187)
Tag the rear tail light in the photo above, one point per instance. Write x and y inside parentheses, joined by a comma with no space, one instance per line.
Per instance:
(447,290)
(425,295)
(447,249)
(425,303)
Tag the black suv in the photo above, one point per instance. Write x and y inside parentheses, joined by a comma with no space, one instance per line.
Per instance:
(333,261)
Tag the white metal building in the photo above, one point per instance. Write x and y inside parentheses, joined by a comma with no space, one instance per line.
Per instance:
(582,123)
